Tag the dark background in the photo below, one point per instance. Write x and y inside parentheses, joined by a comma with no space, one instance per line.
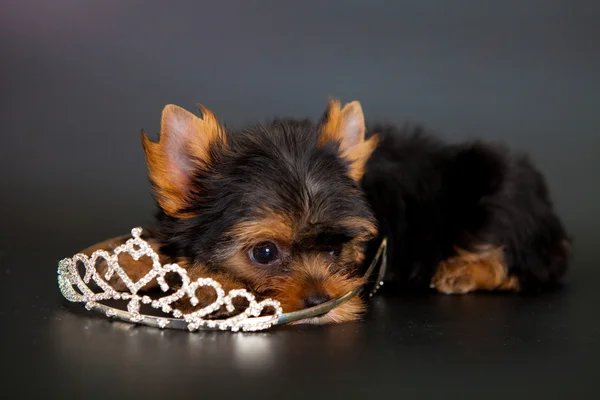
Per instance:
(80,79)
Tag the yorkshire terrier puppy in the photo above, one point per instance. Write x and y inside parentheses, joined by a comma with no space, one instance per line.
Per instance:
(291,209)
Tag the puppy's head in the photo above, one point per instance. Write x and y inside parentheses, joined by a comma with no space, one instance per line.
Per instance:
(275,206)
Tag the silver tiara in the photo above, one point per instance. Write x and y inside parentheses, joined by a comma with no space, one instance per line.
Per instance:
(76,288)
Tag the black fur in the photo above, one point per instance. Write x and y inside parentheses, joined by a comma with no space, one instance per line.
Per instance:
(426,196)
(429,197)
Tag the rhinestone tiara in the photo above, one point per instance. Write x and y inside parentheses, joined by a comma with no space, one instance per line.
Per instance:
(76,288)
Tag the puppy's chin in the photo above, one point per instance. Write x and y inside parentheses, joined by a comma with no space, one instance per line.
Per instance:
(351,310)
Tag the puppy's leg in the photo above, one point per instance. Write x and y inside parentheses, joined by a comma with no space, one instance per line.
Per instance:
(501,201)
(485,269)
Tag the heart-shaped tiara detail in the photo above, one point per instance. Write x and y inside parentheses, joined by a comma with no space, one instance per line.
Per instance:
(76,288)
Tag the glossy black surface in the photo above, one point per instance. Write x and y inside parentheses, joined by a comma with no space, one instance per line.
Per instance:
(79,81)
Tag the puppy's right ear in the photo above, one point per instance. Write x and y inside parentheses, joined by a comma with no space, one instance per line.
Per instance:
(184,145)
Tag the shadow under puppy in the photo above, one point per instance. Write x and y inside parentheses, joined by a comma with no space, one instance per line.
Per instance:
(289,209)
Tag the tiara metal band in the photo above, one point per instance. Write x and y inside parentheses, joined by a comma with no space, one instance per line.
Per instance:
(75,288)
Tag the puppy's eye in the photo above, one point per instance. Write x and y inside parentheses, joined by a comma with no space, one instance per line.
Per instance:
(264,253)
(335,251)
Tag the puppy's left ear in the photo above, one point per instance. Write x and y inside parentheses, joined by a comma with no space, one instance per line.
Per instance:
(346,127)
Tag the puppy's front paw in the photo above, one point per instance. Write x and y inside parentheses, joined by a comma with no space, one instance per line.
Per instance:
(452,277)
(467,272)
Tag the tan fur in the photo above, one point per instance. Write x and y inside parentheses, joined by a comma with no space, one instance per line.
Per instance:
(351,310)
(335,129)
(356,222)
(353,252)
(273,226)
(359,156)
(470,271)
(170,180)
(330,130)
(308,273)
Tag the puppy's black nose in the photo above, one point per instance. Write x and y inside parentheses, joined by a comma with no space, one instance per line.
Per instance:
(315,298)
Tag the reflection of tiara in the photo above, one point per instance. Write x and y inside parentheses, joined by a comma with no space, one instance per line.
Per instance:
(76,288)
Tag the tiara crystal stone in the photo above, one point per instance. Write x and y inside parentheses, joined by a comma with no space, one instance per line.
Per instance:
(76,288)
